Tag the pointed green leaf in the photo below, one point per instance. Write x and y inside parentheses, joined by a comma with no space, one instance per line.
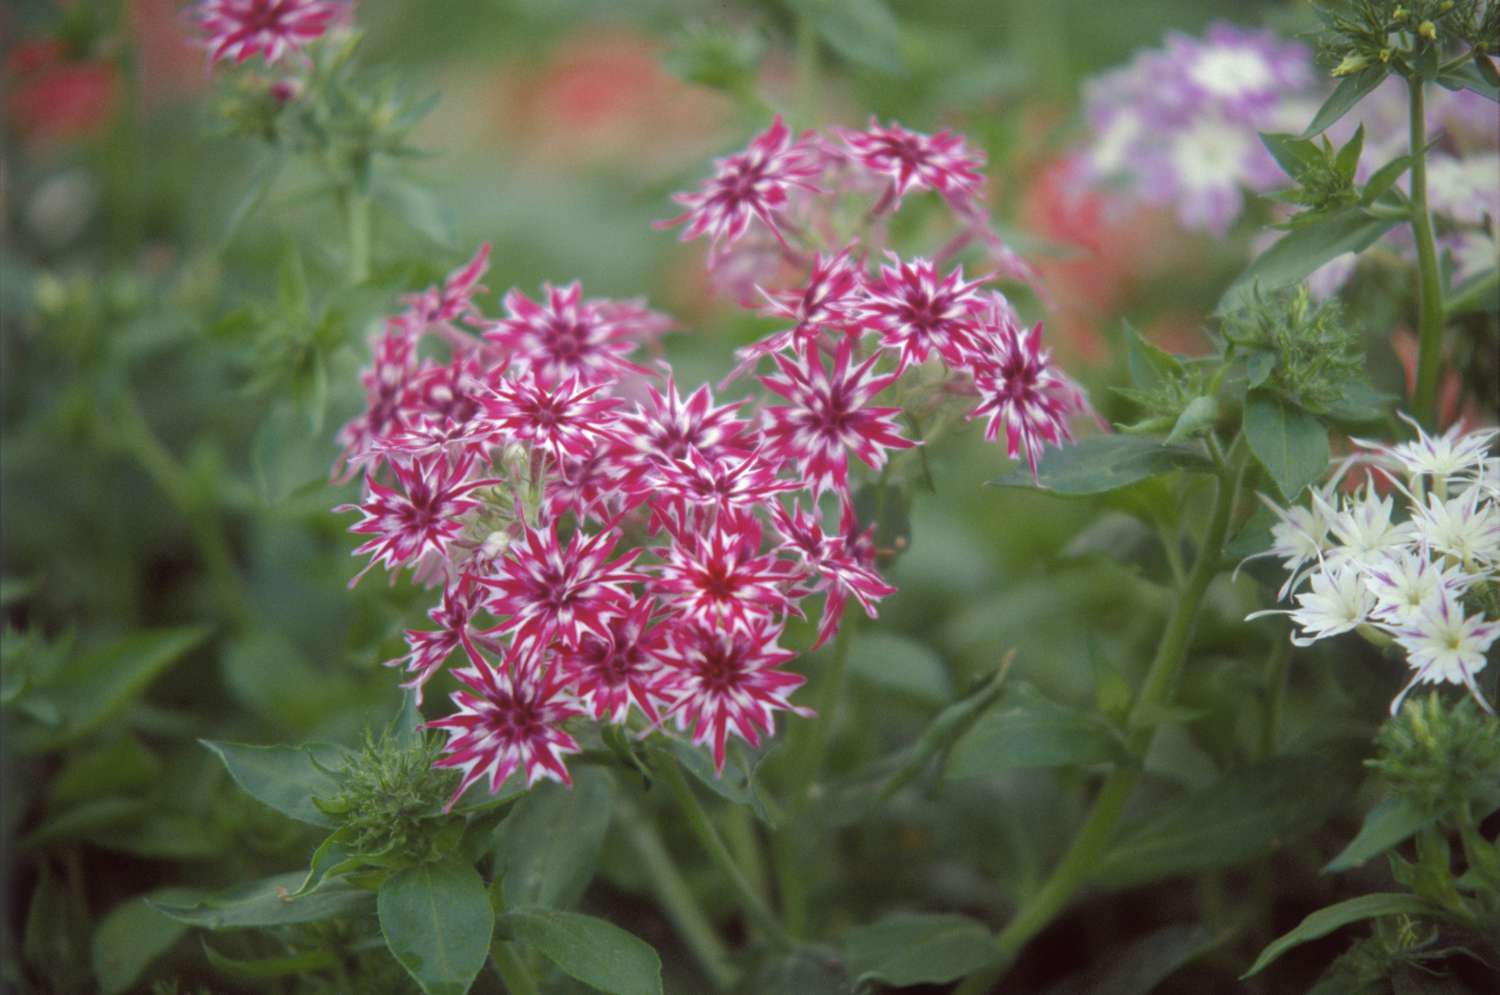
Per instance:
(1326,920)
(915,949)
(1100,464)
(1300,253)
(1384,178)
(1350,91)
(1291,444)
(131,936)
(87,691)
(1347,160)
(269,967)
(271,901)
(1027,730)
(1148,362)
(1470,77)
(598,953)
(1296,156)
(1391,822)
(287,778)
(437,921)
(547,850)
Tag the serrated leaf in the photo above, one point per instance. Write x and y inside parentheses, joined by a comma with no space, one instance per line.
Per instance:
(547,849)
(1027,730)
(915,949)
(1350,91)
(1100,464)
(1291,444)
(1391,822)
(1247,813)
(287,778)
(1301,252)
(131,936)
(270,902)
(1326,920)
(594,951)
(437,922)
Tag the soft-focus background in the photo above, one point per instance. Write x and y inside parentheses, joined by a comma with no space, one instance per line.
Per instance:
(164,468)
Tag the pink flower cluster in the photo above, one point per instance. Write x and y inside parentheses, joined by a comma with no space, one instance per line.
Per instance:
(238,30)
(610,549)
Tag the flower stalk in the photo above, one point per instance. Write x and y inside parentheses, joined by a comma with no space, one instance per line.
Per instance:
(1098,829)
(1429,280)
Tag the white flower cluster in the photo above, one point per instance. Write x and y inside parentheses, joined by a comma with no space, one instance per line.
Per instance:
(1423,571)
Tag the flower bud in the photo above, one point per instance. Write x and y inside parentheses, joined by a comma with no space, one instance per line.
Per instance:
(1353,63)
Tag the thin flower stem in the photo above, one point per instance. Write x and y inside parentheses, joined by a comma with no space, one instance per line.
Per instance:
(176,484)
(1098,828)
(677,899)
(512,970)
(1277,666)
(355,207)
(708,837)
(1429,280)
(807,71)
(807,763)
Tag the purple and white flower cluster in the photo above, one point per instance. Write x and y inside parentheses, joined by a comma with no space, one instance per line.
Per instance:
(1177,127)
(1422,576)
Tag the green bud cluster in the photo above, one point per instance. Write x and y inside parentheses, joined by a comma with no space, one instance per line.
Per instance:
(1439,756)
(390,805)
(1405,36)
(1301,349)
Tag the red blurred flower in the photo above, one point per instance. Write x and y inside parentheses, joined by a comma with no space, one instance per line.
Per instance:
(54,99)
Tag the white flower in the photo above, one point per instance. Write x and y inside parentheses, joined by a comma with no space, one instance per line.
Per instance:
(1440,457)
(1363,528)
(1466,527)
(1336,602)
(1443,644)
(1299,538)
(1407,582)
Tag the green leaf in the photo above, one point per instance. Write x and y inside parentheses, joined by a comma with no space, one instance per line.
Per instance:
(900,664)
(547,850)
(333,857)
(737,784)
(1470,77)
(864,32)
(1027,730)
(595,952)
(437,921)
(1347,160)
(1100,464)
(1296,156)
(1384,178)
(1299,253)
(1480,292)
(1350,91)
(1290,443)
(270,967)
(287,778)
(1387,824)
(1247,813)
(91,689)
(915,949)
(132,935)
(1138,967)
(420,208)
(271,901)
(1196,419)
(1326,920)
(1148,362)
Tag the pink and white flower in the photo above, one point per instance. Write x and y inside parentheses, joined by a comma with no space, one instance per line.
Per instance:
(728,681)
(430,648)
(917,312)
(719,577)
(568,419)
(829,411)
(567,336)
(511,717)
(241,29)
(912,160)
(621,669)
(750,184)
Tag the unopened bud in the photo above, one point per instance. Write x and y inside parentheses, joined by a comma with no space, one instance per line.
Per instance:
(1427,30)
(1353,63)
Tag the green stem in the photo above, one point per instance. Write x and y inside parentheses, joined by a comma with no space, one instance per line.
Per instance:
(754,907)
(512,969)
(807,763)
(1429,281)
(176,484)
(1099,827)
(1277,666)
(807,72)
(355,207)
(677,900)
